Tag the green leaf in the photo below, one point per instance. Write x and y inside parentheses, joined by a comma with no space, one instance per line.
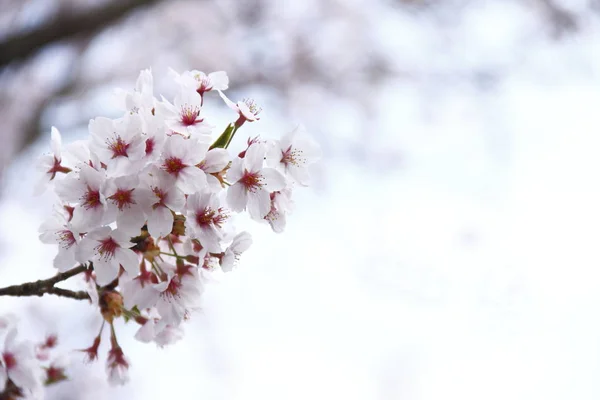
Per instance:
(223,140)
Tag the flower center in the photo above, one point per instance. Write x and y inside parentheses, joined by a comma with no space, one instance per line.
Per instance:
(150,142)
(160,195)
(66,238)
(91,199)
(122,198)
(107,248)
(173,288)
(205,217)
(173,165)
(252,180)
(189,115)
(9,360)
(118,147)
(204,83)
(252,106)
(293,157)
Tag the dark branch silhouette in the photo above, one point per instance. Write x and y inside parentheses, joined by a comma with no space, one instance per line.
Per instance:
(65,26)
(40,287)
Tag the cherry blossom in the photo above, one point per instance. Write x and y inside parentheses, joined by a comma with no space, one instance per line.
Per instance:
(292,155)
(240,244)
(165,198)
(59,230)
(251,183)
(86,191)
(205,219)
(128,202)
(247,109)
(180,157)
(108,249)
(184,117)
(201,82)
(19,365)
(145,207)
(118,143)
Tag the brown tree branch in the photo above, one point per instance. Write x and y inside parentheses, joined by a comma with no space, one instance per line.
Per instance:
(65,26)
(39,287)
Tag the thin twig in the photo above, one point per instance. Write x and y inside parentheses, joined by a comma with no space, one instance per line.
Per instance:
(39,287)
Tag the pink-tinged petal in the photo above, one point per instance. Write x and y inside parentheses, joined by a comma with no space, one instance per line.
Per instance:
(236,171)
(128,260)
(87,219)
(259,204)
(69,189)
(195,151)
(122,238)
(215,161)
(175,199)
(106,272)
(255,157)
(55,142)
(146,333)
(131,221)
(85,250)
(201,131)
(246,112)
(64,260)
(191,180)
(214,185)
(237,197)
(273,179)
(187,98)
(299,174)
(177,126)
(277,221)
(229,103)
(219,80)
(160,222)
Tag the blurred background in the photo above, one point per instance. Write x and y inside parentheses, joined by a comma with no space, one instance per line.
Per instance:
(448,247)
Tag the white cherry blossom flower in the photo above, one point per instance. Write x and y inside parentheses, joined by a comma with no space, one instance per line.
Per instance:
(127,201)
(85,189)
(240,244)
(18,364)
(247,109)
(251,183)
(58,230)
(179,295)
(281,204)
(140,291)
(201,82)
(183,116)
(292,155)
(50,165)
(215,162)
(119,143)
(117,366)
(205,218)
(108,249)
(165,197)
(179,159)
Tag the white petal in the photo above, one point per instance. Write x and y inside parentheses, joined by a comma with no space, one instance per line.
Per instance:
(64,260)
(236,171)
(128,260)
(106,272)
(216,160)
(229,103)
(237,197)
(259,204)
(191,179)
(160,222)
(255,156)
(274,180)
(85,250)
(219,80)
(131,221)
(55,142)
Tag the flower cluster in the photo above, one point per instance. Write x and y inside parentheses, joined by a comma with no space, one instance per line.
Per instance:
(26,367)
(147,202)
